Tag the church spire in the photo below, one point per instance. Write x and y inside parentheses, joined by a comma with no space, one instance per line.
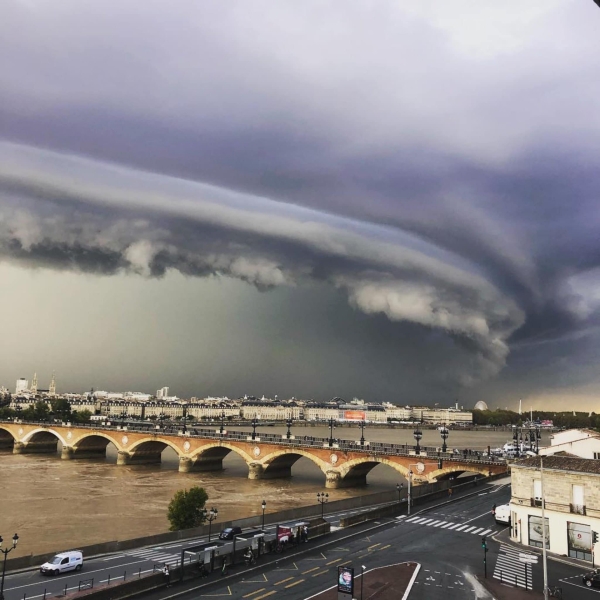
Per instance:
(34,384)
(52,389)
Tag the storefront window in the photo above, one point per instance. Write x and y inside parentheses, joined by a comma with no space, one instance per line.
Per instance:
(535,532)
(580,541)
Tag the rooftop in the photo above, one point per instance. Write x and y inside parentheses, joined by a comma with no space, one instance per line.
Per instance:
(560,463)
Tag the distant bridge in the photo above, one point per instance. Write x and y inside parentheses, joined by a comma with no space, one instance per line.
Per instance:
(268,456)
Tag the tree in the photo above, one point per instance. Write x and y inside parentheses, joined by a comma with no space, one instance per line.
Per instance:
(61,408)
(186,508)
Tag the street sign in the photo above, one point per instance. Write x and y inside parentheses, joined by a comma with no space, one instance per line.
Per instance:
(528,558)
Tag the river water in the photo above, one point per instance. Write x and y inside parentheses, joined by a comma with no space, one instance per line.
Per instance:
(56,504)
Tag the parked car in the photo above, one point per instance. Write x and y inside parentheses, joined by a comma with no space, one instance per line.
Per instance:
(592,579)
(229,532)
(63,562)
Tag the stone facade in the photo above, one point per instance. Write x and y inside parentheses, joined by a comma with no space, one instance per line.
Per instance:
(571,489)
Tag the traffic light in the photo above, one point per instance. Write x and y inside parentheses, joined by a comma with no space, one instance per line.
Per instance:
(484,544)
(594,537)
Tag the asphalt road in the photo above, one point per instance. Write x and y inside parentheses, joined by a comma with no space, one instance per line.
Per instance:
(30,584)
(445,538)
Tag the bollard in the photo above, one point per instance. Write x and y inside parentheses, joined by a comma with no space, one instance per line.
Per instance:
(140,573)
(124,575)
(65,589)
(108,582)
(44,593)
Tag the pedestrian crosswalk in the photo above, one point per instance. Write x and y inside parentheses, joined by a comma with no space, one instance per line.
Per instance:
(156,555)
(448,525)
(510,570)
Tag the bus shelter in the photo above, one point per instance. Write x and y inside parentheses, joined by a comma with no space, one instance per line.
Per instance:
(202,554)
(292,533)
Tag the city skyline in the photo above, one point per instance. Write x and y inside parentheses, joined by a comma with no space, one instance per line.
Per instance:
(395,203)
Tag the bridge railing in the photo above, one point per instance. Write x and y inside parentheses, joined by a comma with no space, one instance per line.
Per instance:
(374,448)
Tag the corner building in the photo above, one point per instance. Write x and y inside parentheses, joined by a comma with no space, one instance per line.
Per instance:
(571,490)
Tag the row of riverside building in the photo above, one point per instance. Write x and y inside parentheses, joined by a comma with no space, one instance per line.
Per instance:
(139,406)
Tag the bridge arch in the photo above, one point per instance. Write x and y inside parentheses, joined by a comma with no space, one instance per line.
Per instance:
(90,445)
(42,440)
(279,463)
(7,439)
(147,451)
(354,472)
(210,457)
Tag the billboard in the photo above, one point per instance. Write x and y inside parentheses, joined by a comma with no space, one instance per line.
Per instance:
(354,415)
(346,580)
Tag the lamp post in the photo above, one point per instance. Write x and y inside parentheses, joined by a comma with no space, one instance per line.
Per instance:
(399,487)
(263,505)
(410,474)
(418,434)
(184,420)
(289,424)
(444,432)
(322,498)
(5,551)
(362,577)
(210,516)
(331,428)
(222,428)
(362,433)
(516,442)
(254,426)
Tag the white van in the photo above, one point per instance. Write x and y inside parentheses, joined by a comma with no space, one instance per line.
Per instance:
(503,514)
(65,561)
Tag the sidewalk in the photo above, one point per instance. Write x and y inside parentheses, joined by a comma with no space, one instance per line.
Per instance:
(381,583)
(502,591)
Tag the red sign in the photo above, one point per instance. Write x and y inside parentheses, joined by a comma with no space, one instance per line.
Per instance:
(354,415)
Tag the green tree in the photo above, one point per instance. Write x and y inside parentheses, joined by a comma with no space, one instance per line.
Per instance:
(38,412)
(61,408)
(186,508)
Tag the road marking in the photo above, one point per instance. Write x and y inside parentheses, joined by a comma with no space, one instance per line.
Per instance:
(374,546)
(468,529)
(256,580)
(333,561)
(478,530)
(256,592)
(321,573)
(283,580)
(266,595)
(485,532)
(295,583)
(323,557)
(294,569)
(310,570)
(385,547)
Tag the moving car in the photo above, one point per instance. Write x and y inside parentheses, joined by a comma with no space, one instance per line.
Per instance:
(63,562)
(229,532)
(592,579)
(502,514)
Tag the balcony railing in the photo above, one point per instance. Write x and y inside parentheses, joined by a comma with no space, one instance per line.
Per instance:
(577,509)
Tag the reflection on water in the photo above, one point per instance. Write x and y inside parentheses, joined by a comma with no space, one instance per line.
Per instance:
(55,504)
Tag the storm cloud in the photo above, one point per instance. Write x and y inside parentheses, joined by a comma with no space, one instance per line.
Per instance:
(438,166)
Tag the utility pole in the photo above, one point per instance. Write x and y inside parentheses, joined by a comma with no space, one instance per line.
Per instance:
(544,529)
(485,551)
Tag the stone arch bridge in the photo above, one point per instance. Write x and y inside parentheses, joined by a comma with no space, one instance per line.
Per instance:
(267,457)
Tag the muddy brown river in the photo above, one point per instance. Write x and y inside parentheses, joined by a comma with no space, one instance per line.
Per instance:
(55,505)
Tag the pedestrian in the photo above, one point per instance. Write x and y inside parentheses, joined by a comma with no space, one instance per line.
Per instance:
(449,492)
(305,531)
(494,510)
(224,567)
(167,574)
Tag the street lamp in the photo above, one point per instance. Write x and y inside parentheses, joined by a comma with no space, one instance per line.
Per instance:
(444,432)
(362,433)
(263,505)
(5,551)
(222,428)
(210,516)
(410,474)
(322,498)
(362,578)
(399,487)
(331,428)
(254,426)
(418,434)
(184,420)
(289,424)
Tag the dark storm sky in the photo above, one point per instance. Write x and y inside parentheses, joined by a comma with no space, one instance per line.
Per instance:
(394,200)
